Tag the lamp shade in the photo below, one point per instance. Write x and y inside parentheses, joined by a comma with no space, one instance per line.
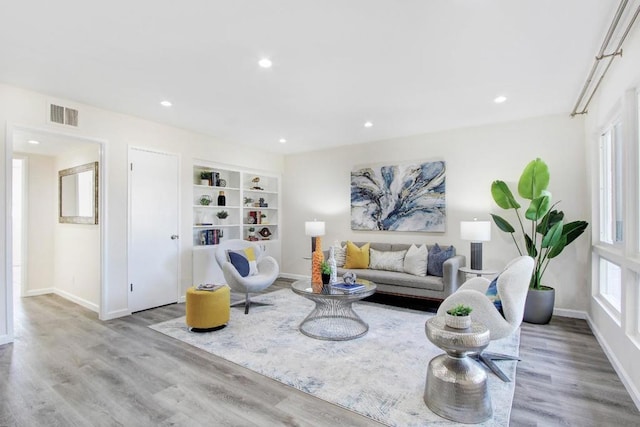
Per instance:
(314,228)
(475,231)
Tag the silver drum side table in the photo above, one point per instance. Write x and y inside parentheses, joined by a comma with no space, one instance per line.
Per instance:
(456,386)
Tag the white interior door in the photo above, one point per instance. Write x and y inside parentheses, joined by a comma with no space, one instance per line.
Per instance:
(153,231)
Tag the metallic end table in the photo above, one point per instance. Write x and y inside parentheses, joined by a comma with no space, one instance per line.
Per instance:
(333,317)
(456,386)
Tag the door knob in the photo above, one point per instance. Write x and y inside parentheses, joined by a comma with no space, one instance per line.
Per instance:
(174,237)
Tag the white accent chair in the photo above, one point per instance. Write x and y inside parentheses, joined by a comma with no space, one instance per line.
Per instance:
(513,285)
(268,270)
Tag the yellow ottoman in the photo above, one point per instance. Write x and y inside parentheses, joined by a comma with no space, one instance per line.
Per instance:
(208,309)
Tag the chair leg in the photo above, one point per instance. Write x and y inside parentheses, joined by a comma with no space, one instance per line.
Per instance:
(487,358)
(247,303)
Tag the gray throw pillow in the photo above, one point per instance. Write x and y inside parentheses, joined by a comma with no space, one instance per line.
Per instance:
(437,257)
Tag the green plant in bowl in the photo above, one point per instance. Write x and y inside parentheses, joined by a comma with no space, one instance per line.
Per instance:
(460,310)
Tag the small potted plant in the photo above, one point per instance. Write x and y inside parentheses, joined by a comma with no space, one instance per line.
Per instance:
(205,200)
(458,317)
(248,201)
(325,272)
(205,178)
(222,215)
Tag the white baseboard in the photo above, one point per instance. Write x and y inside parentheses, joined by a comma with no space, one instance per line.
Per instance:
(294,276)
(622,374)
(575,314)
(6,339)
(80,301)
(116,314)
(36,292)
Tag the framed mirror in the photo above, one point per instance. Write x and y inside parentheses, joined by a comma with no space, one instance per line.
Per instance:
(78,194)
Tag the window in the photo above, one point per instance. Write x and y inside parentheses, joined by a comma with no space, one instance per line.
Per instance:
(611,283)
(611,209)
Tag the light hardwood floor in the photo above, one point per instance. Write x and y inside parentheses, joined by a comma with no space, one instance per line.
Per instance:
(67,368)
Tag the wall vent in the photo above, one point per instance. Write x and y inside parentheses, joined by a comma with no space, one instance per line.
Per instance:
(63,115)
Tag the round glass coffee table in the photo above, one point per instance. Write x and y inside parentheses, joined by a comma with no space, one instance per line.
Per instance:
(333,317)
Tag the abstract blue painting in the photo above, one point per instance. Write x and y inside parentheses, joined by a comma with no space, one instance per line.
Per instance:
(406,197)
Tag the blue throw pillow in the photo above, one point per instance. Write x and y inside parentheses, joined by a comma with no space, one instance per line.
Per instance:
(492,294)
(240,263)
(437,257)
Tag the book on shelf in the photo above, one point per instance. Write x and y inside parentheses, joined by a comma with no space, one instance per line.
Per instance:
(210,237)
(347,288)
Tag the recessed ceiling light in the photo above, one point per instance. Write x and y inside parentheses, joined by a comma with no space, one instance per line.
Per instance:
(500,99)
(368,124)
(33,141)
(265,63)
(282,141)
(166,103)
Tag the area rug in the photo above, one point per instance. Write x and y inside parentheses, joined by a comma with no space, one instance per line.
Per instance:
(380,375)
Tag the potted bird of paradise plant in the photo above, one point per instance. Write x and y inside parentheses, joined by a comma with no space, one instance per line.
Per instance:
(543,237)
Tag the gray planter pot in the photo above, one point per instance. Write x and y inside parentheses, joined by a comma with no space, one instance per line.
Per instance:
(538,308)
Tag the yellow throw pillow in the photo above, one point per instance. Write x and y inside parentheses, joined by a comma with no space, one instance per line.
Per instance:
(357,257)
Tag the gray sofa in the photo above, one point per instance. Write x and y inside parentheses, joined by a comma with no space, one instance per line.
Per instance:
(405,284)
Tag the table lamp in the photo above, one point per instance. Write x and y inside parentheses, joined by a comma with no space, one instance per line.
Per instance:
(315,229)
(477,232)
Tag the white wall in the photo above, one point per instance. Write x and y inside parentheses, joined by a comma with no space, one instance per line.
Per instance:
(77,246)
(40,222)
(619,335)
(317,185)
(118,131)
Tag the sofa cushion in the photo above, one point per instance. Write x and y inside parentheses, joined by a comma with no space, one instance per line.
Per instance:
(437,257)
(357,257)
(386,260)
(398,279)
(415,261)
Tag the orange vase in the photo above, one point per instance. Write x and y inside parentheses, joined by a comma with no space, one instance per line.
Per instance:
(316,272)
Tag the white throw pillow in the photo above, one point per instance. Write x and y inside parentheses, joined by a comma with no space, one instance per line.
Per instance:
(340,254)
(415,261)
(386,260)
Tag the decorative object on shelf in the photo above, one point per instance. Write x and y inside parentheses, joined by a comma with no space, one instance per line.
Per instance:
(349,278)
(262,203)
(222,216)
(263,218)
(265,233)
(252,235)
(251,219)
(222,182)
(477,232)
(222,200)
(205,178)
(248,201)
(458,317)
(325,272)
(550,235)
(406,197)
(256,182)
(205,200)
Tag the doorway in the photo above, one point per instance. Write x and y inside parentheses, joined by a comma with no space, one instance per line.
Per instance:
(153,231)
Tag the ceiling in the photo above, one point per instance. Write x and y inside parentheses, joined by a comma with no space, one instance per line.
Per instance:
(408,66)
